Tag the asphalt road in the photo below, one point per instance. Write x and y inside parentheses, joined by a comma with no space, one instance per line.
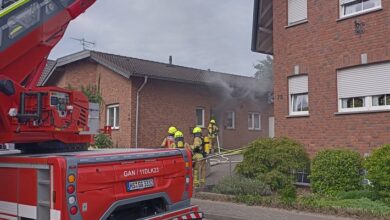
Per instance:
(230,211)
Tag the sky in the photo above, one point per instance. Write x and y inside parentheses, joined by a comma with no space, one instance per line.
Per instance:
(205,34)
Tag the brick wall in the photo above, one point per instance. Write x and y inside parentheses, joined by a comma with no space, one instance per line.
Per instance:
(320,47)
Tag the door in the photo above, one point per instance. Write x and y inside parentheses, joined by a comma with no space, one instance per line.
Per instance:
(271,127)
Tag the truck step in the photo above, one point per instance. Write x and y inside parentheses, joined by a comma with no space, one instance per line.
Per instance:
(44,203)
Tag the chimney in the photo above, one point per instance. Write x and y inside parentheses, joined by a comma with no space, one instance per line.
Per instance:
(170,60)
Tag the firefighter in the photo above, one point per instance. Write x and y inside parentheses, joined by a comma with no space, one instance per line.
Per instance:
(212,134)
(179,140)
(198,158)
(169,141)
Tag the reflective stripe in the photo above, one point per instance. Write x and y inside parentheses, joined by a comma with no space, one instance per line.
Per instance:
(55,214)
(8,208)
(27,211)
(6,217)
(12,7)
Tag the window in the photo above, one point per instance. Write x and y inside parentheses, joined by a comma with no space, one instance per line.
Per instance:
(364,88)
(230,120)
(113,116)
(353,7)
(297,11)
(254,121)
(298,95)
(200,117)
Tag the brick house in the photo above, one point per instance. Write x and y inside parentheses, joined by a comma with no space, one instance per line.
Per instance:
(331,70)
(167,95)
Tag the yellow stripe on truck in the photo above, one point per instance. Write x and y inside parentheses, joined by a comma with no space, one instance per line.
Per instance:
(12,7)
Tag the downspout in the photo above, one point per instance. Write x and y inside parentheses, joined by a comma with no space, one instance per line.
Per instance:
(137,111)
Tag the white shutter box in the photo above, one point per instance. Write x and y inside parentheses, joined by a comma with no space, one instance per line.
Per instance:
(298,84)
(364,81)
(297,11)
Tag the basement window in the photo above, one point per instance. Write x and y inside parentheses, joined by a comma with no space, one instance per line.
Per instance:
(354,7)
(113,116)
(200,117)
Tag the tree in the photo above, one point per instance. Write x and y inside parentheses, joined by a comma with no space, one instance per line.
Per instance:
(264,72)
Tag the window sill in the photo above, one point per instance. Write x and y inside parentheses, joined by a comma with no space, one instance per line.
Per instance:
(362,112)
(298,116)
(296,24)
(255,130)
(359,14)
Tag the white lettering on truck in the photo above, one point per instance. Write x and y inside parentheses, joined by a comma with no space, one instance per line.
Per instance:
(144,171)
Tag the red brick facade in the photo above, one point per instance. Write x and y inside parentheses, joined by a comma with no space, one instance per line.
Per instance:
(162,103)
(320,47)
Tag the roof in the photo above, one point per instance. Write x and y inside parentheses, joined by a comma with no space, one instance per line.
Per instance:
(262,32)
(128,67)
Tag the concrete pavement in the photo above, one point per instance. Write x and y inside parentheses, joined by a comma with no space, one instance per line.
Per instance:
(230,211)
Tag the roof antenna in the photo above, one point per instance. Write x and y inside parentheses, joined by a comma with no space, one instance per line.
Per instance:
(170,60)
(86,44)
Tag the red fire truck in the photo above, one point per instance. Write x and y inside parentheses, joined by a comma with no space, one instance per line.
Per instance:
(111,184)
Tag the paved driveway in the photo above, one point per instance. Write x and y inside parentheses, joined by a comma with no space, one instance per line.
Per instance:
(230,211)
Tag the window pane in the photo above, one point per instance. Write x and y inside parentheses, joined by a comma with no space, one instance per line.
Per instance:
(353,7)
(199,117)
(378,100)
(110,117)
(350,103)
(230,120)
(250,121)
(359,102)
(371,4)
(256,118)
(300,102)
(388,99)
(117,117)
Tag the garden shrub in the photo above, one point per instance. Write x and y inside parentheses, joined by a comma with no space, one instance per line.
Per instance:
(273,161)
(336,170)
(358,194)
(103,141)
(378,167)
(236,185)
(288,194)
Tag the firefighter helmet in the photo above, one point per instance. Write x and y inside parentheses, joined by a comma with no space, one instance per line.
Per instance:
(197,130)
(178,134)
(172,130)
(212,121)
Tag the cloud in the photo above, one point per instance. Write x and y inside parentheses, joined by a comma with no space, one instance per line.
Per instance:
(213,34)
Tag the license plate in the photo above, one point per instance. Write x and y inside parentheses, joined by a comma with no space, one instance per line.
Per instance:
(140,184)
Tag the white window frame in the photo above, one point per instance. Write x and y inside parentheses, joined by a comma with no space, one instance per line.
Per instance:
(291,22)
(344,2)
(368,105)
(251,127)
(233,119)
(115,126)
(365,81)
(203,117)
(291,103)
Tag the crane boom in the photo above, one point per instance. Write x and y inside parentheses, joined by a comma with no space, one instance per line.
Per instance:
(31,115)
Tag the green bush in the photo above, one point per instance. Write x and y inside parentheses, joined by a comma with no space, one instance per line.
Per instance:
(378,167)
(103,141)
(273,161)
(358,194)
(335,171)
(288,194)
(93,94)
(236,185)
